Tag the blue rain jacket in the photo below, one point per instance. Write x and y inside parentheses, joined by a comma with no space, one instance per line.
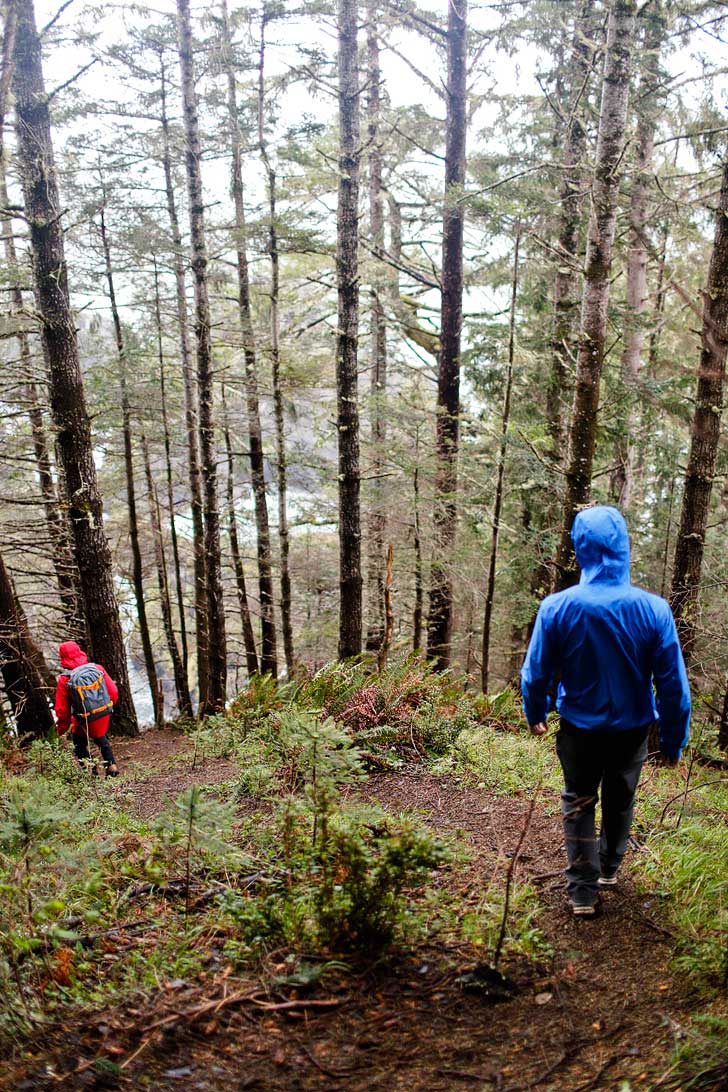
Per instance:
(610,642)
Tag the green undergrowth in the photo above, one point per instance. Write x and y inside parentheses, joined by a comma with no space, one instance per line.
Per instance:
(680,822)
(701,1056)
(97,905)
(285,865)
(680,829)
(409,711)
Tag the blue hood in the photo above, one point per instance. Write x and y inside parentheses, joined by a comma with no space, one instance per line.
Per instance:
(601,544)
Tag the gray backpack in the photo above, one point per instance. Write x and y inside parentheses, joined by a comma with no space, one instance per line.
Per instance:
(89,693)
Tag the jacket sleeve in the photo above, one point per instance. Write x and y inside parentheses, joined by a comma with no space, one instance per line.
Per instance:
(110,685)
(673,689)
(538,668)
(63,705)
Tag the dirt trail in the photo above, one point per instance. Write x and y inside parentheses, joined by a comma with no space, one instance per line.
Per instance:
(160,764)
(602,1011)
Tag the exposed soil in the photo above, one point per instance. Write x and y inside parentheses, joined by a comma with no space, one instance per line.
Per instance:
(605,1008)
(160,764)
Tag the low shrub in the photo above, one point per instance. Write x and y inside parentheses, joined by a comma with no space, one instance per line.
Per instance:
(508,763)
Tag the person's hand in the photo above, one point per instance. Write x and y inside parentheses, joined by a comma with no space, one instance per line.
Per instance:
(539,729)
(669,761)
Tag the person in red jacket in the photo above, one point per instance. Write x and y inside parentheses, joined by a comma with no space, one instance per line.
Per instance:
(84,728)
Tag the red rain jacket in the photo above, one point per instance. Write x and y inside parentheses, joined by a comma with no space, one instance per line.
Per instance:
(71,657)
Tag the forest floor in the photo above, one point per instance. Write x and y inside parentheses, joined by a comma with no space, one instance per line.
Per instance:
(601,1014)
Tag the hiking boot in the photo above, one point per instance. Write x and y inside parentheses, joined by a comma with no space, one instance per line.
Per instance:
(584,909)
(608,879)
(112,770)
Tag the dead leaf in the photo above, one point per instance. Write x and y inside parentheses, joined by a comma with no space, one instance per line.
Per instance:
(543,998)
(62,966)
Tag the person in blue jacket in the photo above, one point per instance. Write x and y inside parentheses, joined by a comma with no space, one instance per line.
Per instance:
(614,650)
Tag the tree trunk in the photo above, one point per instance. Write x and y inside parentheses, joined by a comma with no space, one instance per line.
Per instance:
(137,567)
(723,723)
(23,682)
(704,436)
(498,502)
(602,222)
(439,629)
(668,531)
(660,297)
(68,404)
(388,634)
(347,274)
(648,113)
(378,334)
(419,596)
(57,530)
(216,650)
(571,201)
(268,650)
(251,654)
(170,496)
(181,685)
(275,358)
(191,415)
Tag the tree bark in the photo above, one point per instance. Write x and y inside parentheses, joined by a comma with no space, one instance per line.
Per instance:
(595,300)
(251,654)
(704,436)
(417,543)
(191,414)
(648,113)
(23,681)
(386,642)
(498,502)
(439,627)
(275,359)
(216,650)
(268,649)
(347,275)
(181,685)
(660,297)
(68,404)
(170,494)
(571,202)
(63,566)
(137,567)
(378,335)
(723,723)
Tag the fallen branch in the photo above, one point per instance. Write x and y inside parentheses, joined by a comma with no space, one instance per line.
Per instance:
(302,1003)
(241,997)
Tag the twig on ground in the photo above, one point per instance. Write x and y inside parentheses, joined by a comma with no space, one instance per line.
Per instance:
(543,876)
(565,1056)
(589,1084)
(463,1075)
(684,792)
(509,877)
(299,1003)
(334,1073)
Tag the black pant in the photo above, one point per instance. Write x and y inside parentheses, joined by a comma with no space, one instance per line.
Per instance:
(589,759)
(80,746)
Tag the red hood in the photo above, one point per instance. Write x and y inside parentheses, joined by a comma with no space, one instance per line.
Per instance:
(71,655)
